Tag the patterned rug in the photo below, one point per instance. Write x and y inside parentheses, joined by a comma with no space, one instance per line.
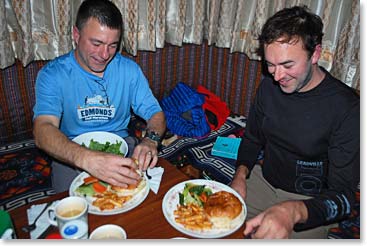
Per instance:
(197,151)
(24,175)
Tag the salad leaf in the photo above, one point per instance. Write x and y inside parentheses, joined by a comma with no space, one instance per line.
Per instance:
(85,190)
(192,193)
(107,147)
(89,189)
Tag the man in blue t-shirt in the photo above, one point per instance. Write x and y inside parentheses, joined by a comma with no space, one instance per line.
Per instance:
(93,88)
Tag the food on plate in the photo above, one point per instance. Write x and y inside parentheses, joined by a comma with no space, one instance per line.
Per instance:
(201,209)
(106,147)
(190,212)
(192,217)
(222,207)
(193,193)
(131,189)
(109,200)
(106,196)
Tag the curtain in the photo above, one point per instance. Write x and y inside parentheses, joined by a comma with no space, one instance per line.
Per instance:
(41,29)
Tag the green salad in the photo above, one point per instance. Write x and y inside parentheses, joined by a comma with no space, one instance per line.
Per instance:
(193,193)
(106,147)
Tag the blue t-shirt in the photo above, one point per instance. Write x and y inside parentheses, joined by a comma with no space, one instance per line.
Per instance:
(85,102)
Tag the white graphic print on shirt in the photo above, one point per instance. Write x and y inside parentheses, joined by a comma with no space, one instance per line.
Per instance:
(96,108)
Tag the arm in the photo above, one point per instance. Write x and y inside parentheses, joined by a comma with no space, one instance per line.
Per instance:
(253,139)
(336,201)
(239,180)
(107,167)
(147,151)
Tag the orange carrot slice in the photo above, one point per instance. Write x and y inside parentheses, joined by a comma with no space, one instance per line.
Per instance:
(98,187)
(90,180)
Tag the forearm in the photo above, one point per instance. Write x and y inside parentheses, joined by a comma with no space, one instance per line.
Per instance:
(157,123)
(239,180)
(241,171)
(50,139)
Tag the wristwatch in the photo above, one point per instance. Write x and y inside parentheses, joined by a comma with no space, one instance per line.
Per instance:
(152,135)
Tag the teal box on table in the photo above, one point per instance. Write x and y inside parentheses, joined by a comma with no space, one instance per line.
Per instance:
(226,147)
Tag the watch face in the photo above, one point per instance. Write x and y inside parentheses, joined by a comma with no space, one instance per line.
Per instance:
(154,136)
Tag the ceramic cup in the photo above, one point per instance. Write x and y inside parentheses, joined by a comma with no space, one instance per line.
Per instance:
(108,232)
(69,209)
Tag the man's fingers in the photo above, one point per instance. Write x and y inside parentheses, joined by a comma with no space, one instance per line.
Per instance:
(252,225)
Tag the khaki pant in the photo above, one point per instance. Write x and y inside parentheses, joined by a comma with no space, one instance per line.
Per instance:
(262,195)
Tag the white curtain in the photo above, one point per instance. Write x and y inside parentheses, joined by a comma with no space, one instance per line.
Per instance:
(41,29)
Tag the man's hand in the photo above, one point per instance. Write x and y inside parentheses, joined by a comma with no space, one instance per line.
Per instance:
(276,222)
(146,154)
(113,169)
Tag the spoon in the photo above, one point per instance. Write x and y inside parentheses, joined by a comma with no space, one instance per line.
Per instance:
(32,226)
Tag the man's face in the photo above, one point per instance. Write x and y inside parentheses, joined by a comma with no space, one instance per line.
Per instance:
(96,45)
(290,65)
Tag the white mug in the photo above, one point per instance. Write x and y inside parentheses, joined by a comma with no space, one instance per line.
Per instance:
(108,232)
(71,208)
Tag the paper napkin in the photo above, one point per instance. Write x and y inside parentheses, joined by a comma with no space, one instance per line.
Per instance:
(42,223)
(156,174)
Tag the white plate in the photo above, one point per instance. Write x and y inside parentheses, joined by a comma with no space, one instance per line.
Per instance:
(135,201)
(102,137)
(171,200)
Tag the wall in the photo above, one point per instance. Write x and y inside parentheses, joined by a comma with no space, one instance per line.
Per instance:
(233,77)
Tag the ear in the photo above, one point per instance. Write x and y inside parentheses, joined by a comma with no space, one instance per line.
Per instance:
(316,54)
(76,34)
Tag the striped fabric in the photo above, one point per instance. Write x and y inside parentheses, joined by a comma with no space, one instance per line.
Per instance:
(17,98)
(184,112)
(231,76)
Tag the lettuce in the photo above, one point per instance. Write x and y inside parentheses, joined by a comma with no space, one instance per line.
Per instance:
(85,190)
(107,147)
(191,194)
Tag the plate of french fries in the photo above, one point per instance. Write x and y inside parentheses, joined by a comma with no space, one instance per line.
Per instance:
(107,201)
(183,207)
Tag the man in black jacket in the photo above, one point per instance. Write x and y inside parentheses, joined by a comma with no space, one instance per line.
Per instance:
(307,122)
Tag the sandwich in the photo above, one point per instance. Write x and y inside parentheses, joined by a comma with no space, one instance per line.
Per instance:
(224,209)
(131,189)
(92,186)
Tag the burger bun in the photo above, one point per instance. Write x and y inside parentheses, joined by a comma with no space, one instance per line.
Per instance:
(224,209)
(131,189)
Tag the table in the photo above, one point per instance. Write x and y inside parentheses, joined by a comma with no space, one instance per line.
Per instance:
(143,222)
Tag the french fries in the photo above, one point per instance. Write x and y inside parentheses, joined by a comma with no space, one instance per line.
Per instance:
(109,200)
(192,217)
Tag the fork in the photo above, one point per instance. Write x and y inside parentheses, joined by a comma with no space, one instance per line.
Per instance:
(31,227)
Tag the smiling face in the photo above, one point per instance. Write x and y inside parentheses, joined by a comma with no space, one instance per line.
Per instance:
(291,66)
(96,45)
